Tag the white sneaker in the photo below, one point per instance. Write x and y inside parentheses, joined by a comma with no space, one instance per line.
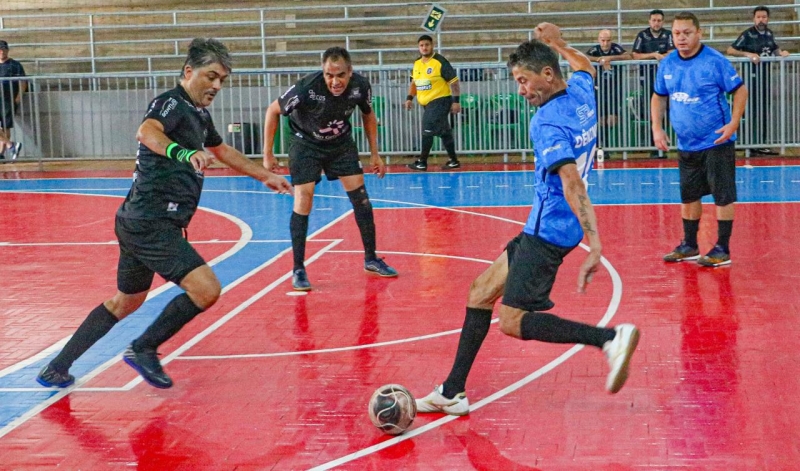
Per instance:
(436,402)
(619,352)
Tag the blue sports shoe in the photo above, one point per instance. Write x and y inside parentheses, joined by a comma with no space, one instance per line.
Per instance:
(300,280)
(682,253)
(50,378)
(716,258)
(379,267)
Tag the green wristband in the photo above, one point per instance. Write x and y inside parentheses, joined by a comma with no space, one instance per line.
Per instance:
(181,154)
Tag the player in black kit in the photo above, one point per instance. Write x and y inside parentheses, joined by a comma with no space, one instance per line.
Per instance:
(756,42)
(319,107)
(151,222)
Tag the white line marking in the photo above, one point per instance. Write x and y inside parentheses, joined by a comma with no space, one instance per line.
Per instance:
(444,187)
(674,183)
(648,183)
(764,181)
(33,359)
(501,186)
(473,186)
(415,188)
(609,314)
(617,184)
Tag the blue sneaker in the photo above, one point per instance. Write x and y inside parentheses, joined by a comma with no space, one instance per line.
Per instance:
(682,253)
(50,378)
(379,267)
(716,258)
(147,365)
(300,280)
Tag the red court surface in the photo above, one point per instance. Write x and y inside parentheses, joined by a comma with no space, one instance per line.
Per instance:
(283,384)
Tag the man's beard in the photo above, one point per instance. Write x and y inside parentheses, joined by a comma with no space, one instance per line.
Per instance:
(761,26)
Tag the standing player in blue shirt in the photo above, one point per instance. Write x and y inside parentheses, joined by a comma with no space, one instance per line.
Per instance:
(564,132)
(696,80)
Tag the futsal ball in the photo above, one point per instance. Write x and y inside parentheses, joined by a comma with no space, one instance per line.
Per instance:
(392,409)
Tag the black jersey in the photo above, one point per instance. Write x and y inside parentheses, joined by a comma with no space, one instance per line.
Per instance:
(751,40)
(10,68)
(646,42)
(165,188)
(614,50)
(316,116)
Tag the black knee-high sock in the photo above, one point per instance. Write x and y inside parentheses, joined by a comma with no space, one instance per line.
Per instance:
(427,145)
(298,227)
(450,145)
(175,315)
(362,208)
(476,326)
(724,230)
(690,228)
(553,329)
(94,327)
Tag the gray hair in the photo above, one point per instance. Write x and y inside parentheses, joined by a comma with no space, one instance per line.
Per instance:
(207,51)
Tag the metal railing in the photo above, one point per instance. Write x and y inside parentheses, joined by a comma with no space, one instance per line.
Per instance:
(91,117)
(156,40)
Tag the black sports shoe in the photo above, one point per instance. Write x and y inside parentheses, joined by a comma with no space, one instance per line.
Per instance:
(146,364)
(451,164)
(764,151)
(15,150)
(419,164)
(50,378)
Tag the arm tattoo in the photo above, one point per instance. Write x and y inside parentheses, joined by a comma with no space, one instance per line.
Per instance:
(583,210)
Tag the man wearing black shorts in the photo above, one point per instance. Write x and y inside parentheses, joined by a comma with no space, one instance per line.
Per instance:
(706,130)
(756,42)
(564,133)
(10,100)
(435,84)
(152,221)
(319,107)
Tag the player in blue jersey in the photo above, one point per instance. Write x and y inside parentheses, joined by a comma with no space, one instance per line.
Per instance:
(695,80)
(564,132)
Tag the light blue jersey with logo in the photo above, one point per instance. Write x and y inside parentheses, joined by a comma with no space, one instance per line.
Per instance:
(563,131)
(696,88)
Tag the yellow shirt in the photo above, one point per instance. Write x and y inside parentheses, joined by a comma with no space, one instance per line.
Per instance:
(433,78)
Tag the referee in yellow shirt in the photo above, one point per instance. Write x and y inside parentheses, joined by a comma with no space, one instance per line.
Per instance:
(435,84)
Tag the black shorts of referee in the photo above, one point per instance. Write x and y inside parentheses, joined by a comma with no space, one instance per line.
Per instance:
(710,171)
(149,246)
(532,267)
(436,117)
(308,161)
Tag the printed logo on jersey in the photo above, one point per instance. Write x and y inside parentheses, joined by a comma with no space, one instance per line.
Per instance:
(332,131)
(168,106)
(355,94)
(291,104)
(682,97)
(585,137)
(172,207)
(551,149)
(315,97)
(585,113)
(667,76)
(429,71)
(422,84)
(734,77)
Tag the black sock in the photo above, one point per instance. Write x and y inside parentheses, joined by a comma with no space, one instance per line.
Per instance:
(362,208)
(175,315)
(298,227)
(427,145)
(449,145)
(553,329)
(94,327)
(476,326)
(724,229)
(690,228)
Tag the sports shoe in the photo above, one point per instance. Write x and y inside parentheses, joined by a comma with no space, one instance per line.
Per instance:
(15,150)
(50,378)
(619,352)
(419,164)
(451,164)
(300,280)
(682,253)
(764,151)
(379,267)
(436,402)
(717,257)
(146,364)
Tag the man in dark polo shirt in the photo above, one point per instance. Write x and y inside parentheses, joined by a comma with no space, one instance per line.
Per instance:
(754,43)
(151,223)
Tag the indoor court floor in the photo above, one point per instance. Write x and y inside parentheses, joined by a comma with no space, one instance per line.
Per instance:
(269,379)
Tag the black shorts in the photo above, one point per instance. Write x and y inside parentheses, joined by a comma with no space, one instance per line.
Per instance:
(436,117)
(6,118)
(709,172)
(532,267)
(307,162)
(149,246)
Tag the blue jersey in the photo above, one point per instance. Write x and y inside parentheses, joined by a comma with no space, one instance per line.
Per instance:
(696,87)
(563,131)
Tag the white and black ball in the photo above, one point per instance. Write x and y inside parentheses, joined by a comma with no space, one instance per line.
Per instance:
(392,409)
